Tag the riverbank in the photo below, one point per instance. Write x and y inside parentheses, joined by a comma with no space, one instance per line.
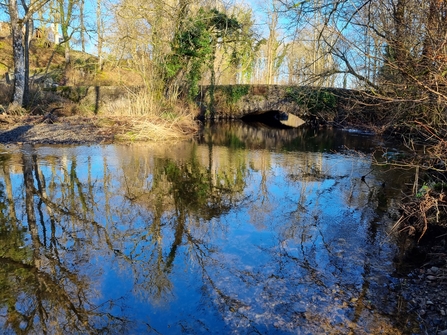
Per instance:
(423,279)
(53,129)
(67,130)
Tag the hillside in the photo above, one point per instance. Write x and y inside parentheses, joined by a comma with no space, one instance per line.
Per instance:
(40,55)
(82,71)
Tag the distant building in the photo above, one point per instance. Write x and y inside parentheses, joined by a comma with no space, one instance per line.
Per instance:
(53,33)
(49,35)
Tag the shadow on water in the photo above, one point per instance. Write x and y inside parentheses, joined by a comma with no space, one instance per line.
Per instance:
(242,231)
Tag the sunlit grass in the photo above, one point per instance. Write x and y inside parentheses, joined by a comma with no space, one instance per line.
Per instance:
(145,117)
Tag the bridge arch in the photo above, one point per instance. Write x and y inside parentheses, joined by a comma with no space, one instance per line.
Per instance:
(239,101)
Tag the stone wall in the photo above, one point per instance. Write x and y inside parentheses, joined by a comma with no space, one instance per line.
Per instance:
(94,96)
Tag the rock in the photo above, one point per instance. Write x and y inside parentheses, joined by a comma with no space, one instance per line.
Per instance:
(433,270)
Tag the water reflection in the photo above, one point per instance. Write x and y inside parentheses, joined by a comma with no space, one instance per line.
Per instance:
(204,237)
(237,134)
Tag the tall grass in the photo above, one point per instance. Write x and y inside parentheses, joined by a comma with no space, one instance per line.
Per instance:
(147,116)
(5,94)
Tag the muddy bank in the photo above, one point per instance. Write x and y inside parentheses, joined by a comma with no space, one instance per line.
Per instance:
(64,130)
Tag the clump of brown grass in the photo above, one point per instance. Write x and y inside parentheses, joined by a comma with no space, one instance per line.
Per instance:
(158,130)
(14,109)
(145,116)
(5,94)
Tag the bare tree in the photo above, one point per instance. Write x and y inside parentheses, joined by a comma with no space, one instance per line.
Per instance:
(395,49)
(99,32)
(18,23)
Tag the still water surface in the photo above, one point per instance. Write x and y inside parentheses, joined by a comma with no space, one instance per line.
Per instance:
(243,231)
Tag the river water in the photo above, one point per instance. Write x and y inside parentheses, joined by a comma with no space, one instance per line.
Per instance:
(245,230)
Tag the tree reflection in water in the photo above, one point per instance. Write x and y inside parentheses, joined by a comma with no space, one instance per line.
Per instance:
(193,237)
(47,284)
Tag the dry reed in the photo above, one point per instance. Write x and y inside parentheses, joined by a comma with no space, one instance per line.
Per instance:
(146,117)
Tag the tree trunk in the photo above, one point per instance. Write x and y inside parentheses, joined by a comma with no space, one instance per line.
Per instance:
(99,32)
(29,28)
(81,18)
(398,46)
(434,44)
(67,54)
(19,55)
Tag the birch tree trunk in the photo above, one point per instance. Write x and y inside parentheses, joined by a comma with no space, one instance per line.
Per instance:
(18,54)
(29,28)
(272,45)
(99,32)
(81,19)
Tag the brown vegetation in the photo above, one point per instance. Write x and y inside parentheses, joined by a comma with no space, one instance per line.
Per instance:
(136,117)
(49,62)
(128,119)
(425,202)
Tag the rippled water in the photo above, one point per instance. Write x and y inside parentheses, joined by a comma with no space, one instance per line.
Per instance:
(243,231)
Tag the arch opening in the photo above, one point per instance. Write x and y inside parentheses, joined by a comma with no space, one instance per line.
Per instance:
(274,118)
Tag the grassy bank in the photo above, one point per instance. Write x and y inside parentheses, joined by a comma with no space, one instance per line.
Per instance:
(133,117)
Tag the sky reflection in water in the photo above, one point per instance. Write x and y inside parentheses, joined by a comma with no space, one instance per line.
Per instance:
(261,231)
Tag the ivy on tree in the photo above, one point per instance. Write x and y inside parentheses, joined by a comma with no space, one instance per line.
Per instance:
(194,48)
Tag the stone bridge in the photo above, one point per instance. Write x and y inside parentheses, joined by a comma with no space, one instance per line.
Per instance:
(292,104)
